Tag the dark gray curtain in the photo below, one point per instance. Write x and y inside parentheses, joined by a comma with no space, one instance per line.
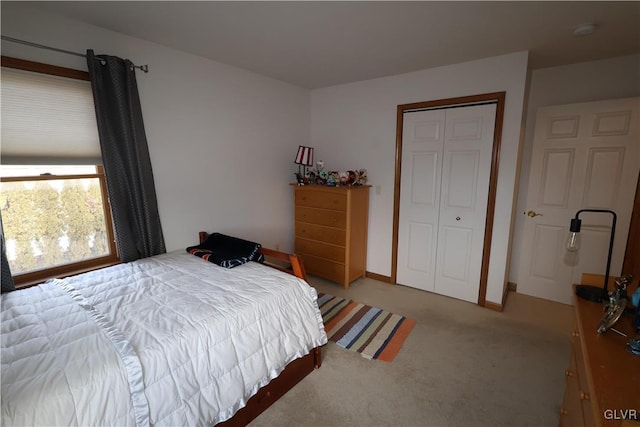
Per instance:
(5,273)
(125,156)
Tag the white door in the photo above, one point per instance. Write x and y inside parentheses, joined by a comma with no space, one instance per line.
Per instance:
(420,179)
(446,162)
(585,156)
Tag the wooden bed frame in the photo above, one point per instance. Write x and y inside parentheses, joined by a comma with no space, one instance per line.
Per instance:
(296,370)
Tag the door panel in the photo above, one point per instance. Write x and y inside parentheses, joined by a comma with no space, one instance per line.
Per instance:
(604,171)
(465,189)
(556,177)
(422,147)
(563,126)
(546,263)
(616,123)
(462,175)
(420,238)
(584,155)
(464,128)
(596,258)
(456,248)
(423,180)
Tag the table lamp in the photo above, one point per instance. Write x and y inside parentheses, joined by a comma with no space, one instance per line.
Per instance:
(588,292)
(304,158)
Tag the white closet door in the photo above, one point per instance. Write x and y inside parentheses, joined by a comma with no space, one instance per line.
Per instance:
(446,162)
(463,201)
(422,148)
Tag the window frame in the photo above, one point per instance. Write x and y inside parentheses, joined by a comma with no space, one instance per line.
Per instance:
(39,276)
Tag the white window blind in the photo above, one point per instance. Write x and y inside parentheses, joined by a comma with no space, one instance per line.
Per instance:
(47,120)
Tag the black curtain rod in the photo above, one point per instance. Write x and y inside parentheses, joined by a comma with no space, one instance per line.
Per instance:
(144,68)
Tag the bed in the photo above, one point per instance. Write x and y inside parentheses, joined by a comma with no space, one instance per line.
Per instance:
(166,340)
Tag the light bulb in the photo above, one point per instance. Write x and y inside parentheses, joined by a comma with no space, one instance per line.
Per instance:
(573,242)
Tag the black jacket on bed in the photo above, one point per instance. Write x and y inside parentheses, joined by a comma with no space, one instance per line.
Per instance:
(227,251)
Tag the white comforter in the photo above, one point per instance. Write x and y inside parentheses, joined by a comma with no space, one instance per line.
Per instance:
(168,340)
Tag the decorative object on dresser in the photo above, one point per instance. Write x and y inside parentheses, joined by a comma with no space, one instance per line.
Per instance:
(331,231)
(335,178)
(304,158)
(615,307)
(603,378)
(589,292)
(614,310)
(320,176)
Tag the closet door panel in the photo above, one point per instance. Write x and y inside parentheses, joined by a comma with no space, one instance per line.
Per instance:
(466,169)
(460,183)
(422,147)
(456,248)
(420,247)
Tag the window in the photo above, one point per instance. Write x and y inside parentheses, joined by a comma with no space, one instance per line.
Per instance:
(55,222)
(53,195)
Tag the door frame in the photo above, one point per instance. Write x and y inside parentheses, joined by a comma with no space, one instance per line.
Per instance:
(499,98)
(631,263)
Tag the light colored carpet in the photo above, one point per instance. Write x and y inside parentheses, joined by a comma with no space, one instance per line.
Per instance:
(462,365)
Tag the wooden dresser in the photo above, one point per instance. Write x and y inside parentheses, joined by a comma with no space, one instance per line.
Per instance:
(603,379)
(331,230)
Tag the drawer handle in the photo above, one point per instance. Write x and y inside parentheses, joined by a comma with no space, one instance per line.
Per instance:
(568,373)
(575,334)
(564,411)
(584,396)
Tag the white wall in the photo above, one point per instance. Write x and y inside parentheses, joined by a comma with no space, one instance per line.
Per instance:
(584,82)
(353,126)
(222,140)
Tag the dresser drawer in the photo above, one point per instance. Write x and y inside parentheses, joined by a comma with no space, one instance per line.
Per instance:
(580,365)
(322,250)
(321,233)
(321,199)
(329,218)
(584,392)
(330,270)
(571,411)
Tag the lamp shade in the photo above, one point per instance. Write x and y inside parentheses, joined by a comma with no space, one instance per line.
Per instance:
(304,156)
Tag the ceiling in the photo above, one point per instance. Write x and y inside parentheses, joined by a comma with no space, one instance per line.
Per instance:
(324,43)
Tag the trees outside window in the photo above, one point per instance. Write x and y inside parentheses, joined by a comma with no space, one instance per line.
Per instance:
(55,220)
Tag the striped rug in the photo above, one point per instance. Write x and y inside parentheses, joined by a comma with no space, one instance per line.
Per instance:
(370,331)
